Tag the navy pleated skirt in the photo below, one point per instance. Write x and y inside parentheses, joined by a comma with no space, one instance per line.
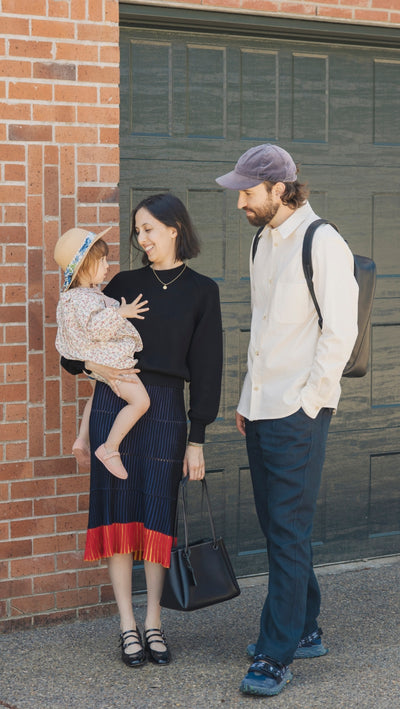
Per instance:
(137,515)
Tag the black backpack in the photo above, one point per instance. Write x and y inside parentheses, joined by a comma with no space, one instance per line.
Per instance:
(365,275)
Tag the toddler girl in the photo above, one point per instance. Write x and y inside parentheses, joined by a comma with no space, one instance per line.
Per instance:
(94,327)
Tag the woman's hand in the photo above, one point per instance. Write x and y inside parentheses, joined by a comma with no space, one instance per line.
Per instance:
(113,376)
(193,463)
(133,310)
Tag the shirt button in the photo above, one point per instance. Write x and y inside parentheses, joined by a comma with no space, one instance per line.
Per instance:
(255,388)
(257,353)
(264,317)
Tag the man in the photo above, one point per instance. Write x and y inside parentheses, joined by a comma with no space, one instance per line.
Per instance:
(291,388)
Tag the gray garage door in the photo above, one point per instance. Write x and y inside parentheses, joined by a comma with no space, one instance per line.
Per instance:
(191,103)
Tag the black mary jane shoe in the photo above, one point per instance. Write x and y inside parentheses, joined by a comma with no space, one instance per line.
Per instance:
(132,659)
(152,636)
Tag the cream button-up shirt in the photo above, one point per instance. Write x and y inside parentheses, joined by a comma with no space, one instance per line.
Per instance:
(291,364)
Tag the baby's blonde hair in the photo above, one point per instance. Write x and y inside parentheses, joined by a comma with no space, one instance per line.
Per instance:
(95,253)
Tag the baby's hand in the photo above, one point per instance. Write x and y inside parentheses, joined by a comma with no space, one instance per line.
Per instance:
(133,310)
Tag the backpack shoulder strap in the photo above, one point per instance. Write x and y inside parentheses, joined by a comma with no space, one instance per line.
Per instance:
(255,244)
(307,261)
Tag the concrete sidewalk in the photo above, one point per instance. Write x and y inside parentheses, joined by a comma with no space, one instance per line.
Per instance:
(78,666)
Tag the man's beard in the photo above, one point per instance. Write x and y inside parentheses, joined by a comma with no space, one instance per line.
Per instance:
(262,216)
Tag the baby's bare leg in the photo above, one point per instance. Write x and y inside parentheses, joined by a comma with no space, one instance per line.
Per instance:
(138,402)
(84,427)
(81,447)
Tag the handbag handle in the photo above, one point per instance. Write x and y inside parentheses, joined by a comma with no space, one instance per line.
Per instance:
(183,486)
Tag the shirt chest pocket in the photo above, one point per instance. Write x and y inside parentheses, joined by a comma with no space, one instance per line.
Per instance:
(291,303)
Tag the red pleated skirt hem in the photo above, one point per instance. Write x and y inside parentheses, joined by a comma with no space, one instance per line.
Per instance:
(130,538)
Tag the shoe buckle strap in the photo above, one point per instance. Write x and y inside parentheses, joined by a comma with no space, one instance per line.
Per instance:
(268,669)
(125,644)
(308,639)
(154,633)
(132,635)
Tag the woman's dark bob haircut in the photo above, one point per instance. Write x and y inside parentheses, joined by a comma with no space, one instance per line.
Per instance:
(170,211)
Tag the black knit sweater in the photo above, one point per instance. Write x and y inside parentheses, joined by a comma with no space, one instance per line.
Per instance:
(181,333)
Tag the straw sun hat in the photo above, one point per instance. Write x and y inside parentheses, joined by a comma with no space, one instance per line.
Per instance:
(71,249)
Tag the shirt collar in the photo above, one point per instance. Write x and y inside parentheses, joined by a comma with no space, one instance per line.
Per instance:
(293,222)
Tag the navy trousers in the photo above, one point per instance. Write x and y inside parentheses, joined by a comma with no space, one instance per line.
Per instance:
(286,457)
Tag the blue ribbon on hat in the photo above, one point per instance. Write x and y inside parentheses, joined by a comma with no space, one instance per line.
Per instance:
(69,271)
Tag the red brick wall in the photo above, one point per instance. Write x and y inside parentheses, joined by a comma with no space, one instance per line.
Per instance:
(364,11)
(59,123)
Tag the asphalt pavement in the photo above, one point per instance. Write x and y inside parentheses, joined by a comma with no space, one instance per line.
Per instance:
(78,665)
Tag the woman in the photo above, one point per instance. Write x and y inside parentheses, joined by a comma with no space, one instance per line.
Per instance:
(182,340)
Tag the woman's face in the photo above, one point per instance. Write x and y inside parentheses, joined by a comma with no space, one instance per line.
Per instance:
(156,239)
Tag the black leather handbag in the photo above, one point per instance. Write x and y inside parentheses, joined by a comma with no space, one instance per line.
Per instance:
(201,573)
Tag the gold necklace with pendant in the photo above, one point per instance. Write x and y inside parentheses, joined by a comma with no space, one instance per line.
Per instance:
(165,285)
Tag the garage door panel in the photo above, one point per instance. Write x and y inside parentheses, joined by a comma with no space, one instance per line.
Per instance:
(259,95)
(206,92)
(201,88)
(351,121)
(386,224)
(385,382)
(191,103)
(147,108)
(310,82)
(386,102)
(369,523)
(207,209)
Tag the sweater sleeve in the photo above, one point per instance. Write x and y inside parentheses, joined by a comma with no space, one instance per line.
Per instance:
(72,366)
(205,365)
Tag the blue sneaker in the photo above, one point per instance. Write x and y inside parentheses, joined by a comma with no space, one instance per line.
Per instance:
(265,677)
(309,646)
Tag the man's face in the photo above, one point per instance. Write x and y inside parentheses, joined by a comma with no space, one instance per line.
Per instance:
(259,204)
